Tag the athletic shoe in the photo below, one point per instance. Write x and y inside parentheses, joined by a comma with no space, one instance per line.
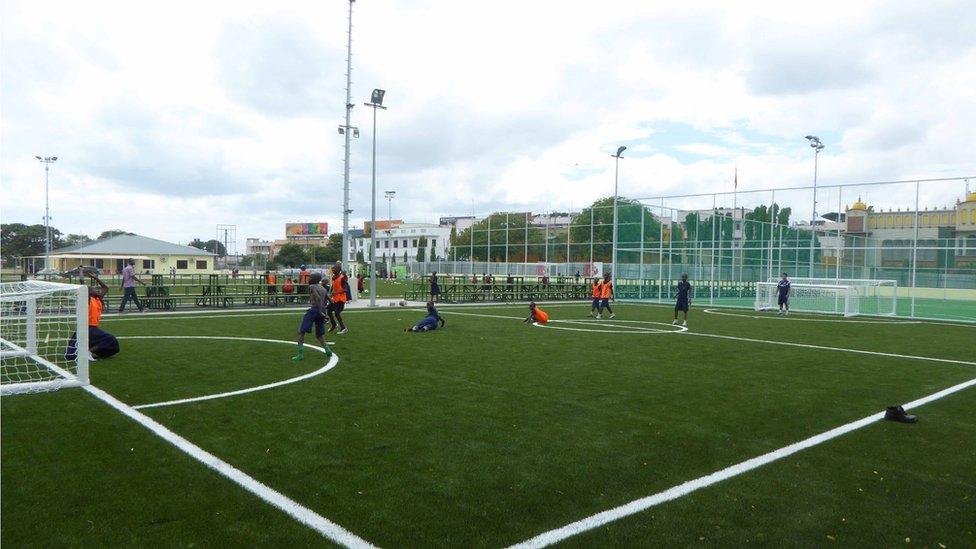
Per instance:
(598,317)
(342,331)
(300,356)
(91,357)
(897,413)
(674,322)
(685,324)
(331,329)
(612,316)
(589,313)
(328,352)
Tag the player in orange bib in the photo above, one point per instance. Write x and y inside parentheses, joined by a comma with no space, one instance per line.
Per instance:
(536,315)
(101,344)
(606,294)
(597,287)
(338,299)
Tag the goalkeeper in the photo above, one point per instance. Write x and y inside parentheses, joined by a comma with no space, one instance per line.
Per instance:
(429,322)
(101,344)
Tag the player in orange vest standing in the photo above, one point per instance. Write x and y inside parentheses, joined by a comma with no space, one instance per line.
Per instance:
(536,315)
(597,295)
(606,294)
(338,299)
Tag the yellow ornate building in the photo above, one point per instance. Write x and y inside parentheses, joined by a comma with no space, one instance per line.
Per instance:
(953,229)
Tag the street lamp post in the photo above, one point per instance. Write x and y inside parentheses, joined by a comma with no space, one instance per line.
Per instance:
(47,161)
(376,103)
(347,127)
(817,147)
(616,173)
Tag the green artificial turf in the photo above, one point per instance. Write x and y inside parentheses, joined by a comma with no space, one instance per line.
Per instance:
(491,431)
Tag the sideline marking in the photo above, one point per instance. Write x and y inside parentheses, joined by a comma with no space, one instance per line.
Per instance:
(792,317)
(826,348)
(638,505)
(302,514)
(328,366)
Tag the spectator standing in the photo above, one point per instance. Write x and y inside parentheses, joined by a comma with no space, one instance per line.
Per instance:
(129,281)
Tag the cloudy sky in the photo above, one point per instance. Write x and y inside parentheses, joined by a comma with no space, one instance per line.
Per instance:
(169,118)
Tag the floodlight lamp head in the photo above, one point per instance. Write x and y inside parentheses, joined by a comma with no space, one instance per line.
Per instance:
(342,131)
(620,151)
(37,157)
(355,132)
(377,97)
(53,158)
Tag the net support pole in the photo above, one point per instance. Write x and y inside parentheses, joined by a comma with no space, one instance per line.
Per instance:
(31,327)
(915,249)
(640,263)
(840,244)
(660,253)
(81,330)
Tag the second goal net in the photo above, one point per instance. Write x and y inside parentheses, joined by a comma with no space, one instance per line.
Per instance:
(831,296)
(43,336)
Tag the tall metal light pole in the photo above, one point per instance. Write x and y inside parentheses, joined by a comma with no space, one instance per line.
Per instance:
(389,212)
(47,161)
(376,103)
(616,172)
(345,178)
(817,147)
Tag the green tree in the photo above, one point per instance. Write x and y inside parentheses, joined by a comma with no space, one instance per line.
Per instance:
(526,242)
(291,255)
(421,249)
(75,239)
(213,246)
(111,233)
(597,220)
(19,240)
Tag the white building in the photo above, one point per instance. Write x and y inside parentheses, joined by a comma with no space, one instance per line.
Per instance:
(254,246)
(406,237)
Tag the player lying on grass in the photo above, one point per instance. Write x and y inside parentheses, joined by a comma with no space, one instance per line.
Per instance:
(536,315)
(318,298)
(101,344)
(429,322)
(683,299)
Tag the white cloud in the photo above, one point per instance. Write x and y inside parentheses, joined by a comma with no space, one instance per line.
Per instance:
(172,118)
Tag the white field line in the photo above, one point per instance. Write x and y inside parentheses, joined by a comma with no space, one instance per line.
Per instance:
(302,514)
(624,328)
(328,366)
(745,314)
(826,348)
(642,504)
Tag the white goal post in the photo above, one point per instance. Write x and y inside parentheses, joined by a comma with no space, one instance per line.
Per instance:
(874,296)
(37,322)
(810,298)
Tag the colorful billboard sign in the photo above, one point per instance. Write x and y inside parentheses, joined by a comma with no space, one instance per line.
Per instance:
(293,230)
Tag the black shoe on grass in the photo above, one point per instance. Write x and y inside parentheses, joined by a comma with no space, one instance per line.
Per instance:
(897,413)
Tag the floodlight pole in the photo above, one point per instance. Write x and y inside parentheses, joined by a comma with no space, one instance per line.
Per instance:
(817,146)
(47,161)
(372,227)
(345,178)
(616,173)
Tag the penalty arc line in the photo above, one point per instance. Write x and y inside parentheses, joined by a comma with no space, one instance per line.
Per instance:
(328,366)
(295,510)
(642,504)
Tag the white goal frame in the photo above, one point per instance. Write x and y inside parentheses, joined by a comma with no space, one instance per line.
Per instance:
(29,293)
(846,300)
(883,292)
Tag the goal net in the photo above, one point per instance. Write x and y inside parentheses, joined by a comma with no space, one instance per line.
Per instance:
(874,296)
(810,298)
(39,321)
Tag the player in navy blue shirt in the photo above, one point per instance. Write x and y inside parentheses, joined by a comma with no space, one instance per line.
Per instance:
(783,295)
(429,322)
(683,299)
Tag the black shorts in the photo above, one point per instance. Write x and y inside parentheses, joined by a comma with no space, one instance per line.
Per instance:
(336,306)
(596,302)
(435,290)
(681,305)
(784,300)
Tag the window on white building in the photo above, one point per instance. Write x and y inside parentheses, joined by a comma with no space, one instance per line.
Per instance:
(396,243)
